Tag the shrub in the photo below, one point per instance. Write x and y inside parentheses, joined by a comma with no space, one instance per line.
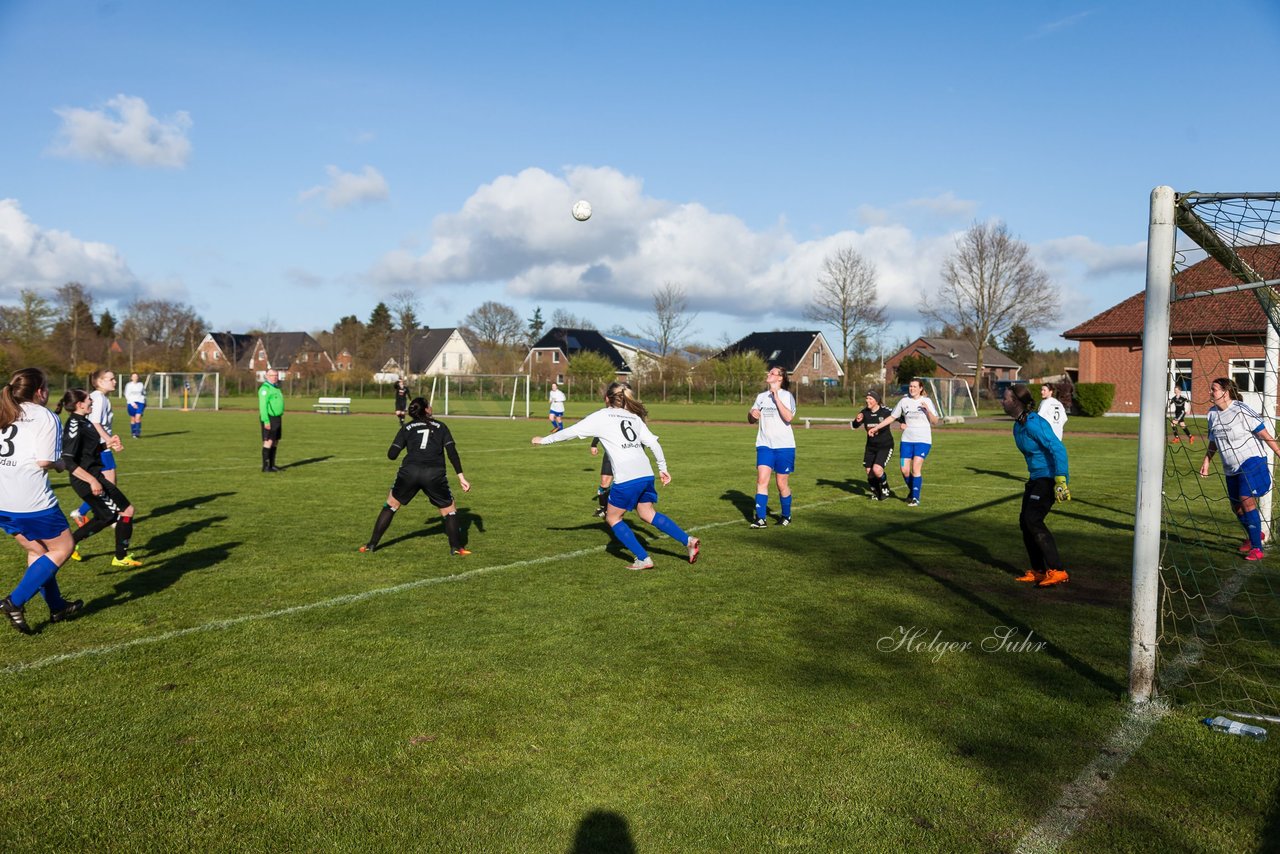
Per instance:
(1095,399)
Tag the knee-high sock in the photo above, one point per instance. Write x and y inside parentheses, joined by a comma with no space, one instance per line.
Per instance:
(762,504)
(83,509)
(274,447)
(785,501)
(380,526)
(627,537)
(884,484)
(90,528)
(124,532)
(1252,522)
(671,529)
(917,482)
(453,531)
(52,595)
(602,495)
(266,458)
(36,576)
(873,483)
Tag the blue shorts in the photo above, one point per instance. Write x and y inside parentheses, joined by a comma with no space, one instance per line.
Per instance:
(40,525)
(559,414)
(108,461)
(1253,480)
(626,496)
(135,408)
(907,450)
(781,460)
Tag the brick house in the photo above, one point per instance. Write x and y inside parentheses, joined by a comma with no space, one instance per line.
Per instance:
(291,353)
(958,359)
(548,359)
(806,355)
(224,351)
(1217,336)
(432,352)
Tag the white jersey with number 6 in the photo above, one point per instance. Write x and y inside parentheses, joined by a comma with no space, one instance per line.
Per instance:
(624,437)
(35,437)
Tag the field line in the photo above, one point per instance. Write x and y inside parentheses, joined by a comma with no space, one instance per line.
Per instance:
(216,625)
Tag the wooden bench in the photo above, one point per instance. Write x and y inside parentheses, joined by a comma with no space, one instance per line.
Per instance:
(333,406)
(821,420)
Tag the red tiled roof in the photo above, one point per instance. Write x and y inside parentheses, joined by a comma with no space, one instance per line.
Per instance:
(1226,314)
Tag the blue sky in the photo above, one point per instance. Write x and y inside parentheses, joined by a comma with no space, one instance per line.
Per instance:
(291,163)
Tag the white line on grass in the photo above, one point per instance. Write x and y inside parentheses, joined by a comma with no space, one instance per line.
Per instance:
(108,649)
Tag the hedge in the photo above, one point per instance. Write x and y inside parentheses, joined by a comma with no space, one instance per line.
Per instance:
(1095,399)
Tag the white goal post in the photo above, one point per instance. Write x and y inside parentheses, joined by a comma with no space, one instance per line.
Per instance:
(183,391)
(480,395)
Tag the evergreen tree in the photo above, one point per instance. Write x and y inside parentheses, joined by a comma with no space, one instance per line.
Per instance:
(1018,345)
(536,324)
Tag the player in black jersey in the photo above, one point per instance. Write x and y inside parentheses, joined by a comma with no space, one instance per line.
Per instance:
(879,446)
(427,442)
(606,479)
(402,398)
(82,447)
(1179,406)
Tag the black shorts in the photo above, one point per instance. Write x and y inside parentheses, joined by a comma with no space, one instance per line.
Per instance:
(109,505)
(873,456)
(402,403)
(432,482)
(606,467)
(273,430)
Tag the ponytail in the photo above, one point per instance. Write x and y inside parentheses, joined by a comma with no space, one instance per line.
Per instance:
(21,388)
(418,409)
(619,396)
(71,399)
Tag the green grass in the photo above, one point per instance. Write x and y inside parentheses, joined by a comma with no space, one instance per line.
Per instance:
(537,692)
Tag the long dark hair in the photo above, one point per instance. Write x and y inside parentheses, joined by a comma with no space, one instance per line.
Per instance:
(71,399)
(1022,394)
(1229,386)
(619,396)
(786,377)
(21,388)
(418,409)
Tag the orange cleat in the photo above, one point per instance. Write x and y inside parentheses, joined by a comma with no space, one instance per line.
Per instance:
(1031,577)
(1176,440)
(695,546)
(1255,554)
(461,552)
(1052,577)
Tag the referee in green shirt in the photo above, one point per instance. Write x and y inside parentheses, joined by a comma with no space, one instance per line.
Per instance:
(271,414)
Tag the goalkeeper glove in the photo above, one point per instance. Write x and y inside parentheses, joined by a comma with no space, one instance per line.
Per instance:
(1060,490)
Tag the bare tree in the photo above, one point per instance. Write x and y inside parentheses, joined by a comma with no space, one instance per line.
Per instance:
(989,283)
(846,300)
(75,327)
(405,307)
(565,320)
(671,319)
(496,324)
(169,330)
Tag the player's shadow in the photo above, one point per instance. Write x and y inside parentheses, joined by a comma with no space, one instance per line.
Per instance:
(848,485)
(603,832)
(166,433)
(172,539)
(186,504)
(161,574)
(308,461)
(994,473)
(745,504)
(434,525)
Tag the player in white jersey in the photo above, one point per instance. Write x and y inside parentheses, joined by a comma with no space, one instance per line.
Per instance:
(555,412)
(1238,434)
(917,413)
(135,403)
(104,385)
(621,429)
(30,445)
(774,410)
(1052,410)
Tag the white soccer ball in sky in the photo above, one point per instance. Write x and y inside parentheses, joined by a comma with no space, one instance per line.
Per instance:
(582,210)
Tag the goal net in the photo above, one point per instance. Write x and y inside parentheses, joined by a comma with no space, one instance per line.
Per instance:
(952,396)
(184,391)
(478,395)
(1206,621)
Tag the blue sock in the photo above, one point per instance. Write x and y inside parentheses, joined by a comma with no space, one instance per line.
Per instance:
(762,504)
(916,482)
(83,509)
(671,529)
(786,504)
(40,571)
(628,538)
(52,595)
(1252,521)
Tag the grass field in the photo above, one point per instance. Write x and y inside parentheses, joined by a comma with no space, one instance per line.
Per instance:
(258,685)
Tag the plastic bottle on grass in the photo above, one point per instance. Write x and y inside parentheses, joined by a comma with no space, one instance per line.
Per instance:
(1221,724)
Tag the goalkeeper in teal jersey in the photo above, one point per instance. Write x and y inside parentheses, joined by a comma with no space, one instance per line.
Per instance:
(271,414)
(1047,483)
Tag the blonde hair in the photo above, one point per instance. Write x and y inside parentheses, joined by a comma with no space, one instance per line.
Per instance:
(619,396)
(21,388)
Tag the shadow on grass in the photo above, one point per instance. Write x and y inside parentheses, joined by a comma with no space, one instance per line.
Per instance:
(603,832)
(170,540)
(745,504)
(434,525)
(1270,842)
(848,485)
(161,574)
(308,461)
(1003,475)
(166,433)
(186,504)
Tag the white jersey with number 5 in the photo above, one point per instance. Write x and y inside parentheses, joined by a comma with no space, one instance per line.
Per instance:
(773,431)
(624,437)
(101,412)
(36,436)
(1052,410)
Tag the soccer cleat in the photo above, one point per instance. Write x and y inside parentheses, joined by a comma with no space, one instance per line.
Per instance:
(1191,440)
(17,618)
(1255,554)
(786,520)
(1052,577)
(80,521)
(461,552)
(1031,577)
(695,546)
(75,555)
(599,514)
(365,549)
(1176,440)
(913,502)
(759,523)
(1247,545)
(73,609)
(641,563)
(128,560)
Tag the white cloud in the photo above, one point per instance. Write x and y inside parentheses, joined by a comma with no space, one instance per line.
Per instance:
(42,259)
(346,189)
(1096,259)
(124,131)
(943,208)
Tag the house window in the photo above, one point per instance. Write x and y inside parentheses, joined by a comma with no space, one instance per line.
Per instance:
(537,355)
(1249,374)
(559,378)
(555,357)
(1179,375)
(817,360)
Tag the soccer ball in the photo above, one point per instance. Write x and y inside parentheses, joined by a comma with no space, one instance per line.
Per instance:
(582,210)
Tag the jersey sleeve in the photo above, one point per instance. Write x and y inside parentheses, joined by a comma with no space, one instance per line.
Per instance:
(1053,447)
(578,430)
(399,443)
(650,441)
(897,409)
(451,449)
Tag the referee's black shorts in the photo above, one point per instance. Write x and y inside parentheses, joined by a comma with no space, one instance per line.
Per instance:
(273,430)
(431,482)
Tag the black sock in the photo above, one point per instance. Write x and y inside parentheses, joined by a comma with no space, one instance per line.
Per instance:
(266,458)
(381,525)
(874,483)
(90,528)
(452,530)
(124,532)
(273,450)
(604,498)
